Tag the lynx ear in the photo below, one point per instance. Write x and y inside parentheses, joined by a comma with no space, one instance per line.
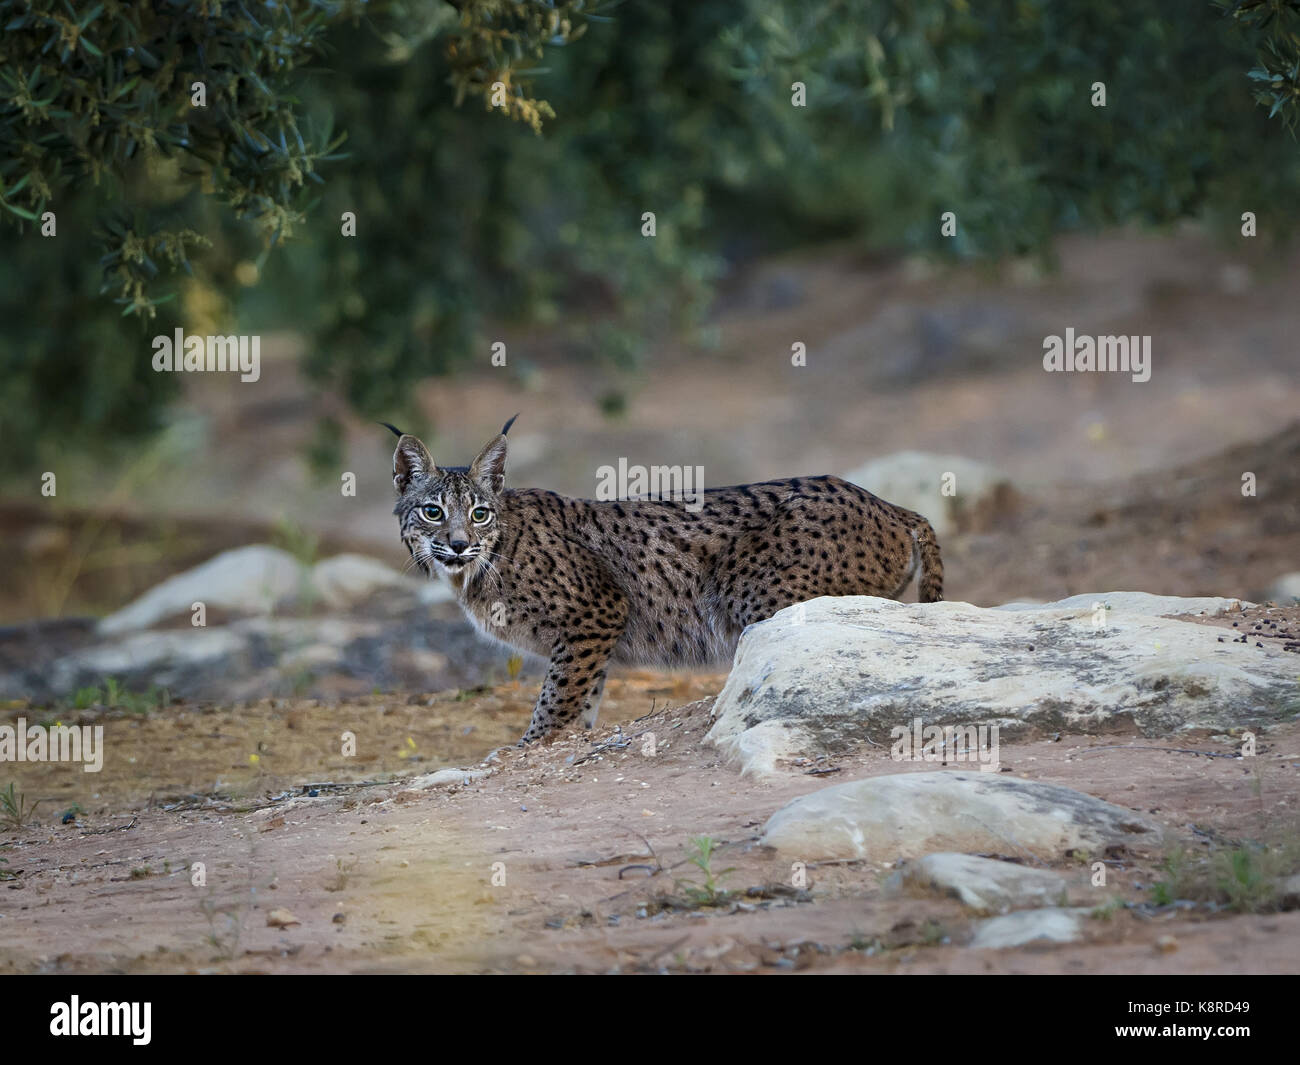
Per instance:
(489,469)
(410,460)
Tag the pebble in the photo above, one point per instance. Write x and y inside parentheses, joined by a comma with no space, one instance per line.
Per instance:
(281,918)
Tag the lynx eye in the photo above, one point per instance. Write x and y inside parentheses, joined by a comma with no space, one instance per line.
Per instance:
(431,513)
(479,515)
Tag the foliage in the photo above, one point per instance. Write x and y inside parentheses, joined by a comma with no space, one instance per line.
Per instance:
(1276,24)
(114,695)
(710,892)
(15,811)
(1246,877)
(98,124)
(467,215)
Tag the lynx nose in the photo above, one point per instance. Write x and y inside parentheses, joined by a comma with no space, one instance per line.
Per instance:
(459,545)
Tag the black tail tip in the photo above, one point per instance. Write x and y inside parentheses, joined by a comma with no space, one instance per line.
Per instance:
(506,428)
(393,429)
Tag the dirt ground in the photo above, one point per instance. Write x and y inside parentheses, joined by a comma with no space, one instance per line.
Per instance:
(574,857)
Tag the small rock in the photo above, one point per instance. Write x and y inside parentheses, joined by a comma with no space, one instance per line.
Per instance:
(911,814)
(1285,591)
(1289,892)
(1026,926)
(445,777)
(243,580)
(281,918)
(915,480)
(982,884)
(1166,944)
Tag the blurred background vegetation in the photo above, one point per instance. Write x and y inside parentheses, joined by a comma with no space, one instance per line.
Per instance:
(527,208)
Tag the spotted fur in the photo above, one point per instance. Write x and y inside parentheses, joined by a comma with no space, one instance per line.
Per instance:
(644,582)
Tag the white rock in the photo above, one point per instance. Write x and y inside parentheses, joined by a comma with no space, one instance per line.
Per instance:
(1027,926)
(907,815)
(185,648)
(252,580)
(915,479)
(761,748)
(430,592)
(982,884)
(247,580)
(1286,590)
(847,670)
(347,579)
(320,656)
(1117,603)
(445,777)
(167,652)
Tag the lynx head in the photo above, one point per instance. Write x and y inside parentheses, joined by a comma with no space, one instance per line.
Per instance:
(448,515)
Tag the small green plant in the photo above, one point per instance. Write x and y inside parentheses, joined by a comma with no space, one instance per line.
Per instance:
(304,545)
(225,924)
(1107,909)
(1175,866)
(301,681)
(933,933)
(1247,878)
(294,538)
(14,810)
(345,869)
(1244,878)
(85,698)
(112,694)
(709,893)
(866,944)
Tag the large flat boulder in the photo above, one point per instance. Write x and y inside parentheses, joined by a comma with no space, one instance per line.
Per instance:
(825,676)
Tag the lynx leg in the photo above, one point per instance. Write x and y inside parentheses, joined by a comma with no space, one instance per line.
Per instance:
(593,704)
(574,683)
(575,680)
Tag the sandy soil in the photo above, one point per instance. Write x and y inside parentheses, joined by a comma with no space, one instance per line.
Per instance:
(573,857)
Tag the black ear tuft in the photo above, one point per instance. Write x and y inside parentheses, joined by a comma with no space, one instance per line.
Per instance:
(506,428)
(393,429)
